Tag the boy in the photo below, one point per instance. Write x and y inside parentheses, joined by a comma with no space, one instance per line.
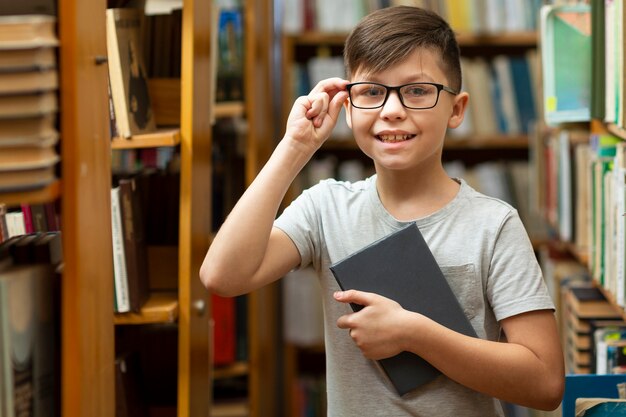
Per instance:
(403,64)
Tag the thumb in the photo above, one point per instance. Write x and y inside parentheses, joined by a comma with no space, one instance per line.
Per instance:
(356,297)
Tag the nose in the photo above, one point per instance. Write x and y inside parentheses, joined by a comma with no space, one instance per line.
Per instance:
(393,108)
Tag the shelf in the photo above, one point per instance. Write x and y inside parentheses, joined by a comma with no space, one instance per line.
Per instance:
(464,39)
(229,109)
(230,408)
(161,307)
(475,142)
(162,137)
(498,39)
(616,130)
(230,371)
(41,195)
(487,142)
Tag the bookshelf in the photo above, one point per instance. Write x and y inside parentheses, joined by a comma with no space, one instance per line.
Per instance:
(298,47)
(587,204)
(88,324)
(186,102)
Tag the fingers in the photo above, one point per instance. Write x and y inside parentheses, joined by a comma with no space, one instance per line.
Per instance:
(330,85)
(353,296)
(319,108)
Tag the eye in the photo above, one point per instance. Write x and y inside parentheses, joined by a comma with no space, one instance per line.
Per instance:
(417,90)
(372,91)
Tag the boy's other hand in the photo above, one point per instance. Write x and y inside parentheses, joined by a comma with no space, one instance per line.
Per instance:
(313,117)
(378,328)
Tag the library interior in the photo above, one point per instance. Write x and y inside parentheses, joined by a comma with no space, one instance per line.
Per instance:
(129,129)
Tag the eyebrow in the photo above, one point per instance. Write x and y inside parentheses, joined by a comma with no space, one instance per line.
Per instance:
(421,78)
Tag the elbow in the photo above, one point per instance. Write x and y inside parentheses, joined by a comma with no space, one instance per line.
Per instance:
(552,394)
(216,282)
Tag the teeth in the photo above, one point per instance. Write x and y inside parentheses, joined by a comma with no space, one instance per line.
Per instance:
(394,138)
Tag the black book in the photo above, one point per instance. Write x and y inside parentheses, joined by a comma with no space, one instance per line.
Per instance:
(401,267)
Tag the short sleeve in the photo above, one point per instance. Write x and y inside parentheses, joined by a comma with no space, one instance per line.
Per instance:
(515,283)
(300,222)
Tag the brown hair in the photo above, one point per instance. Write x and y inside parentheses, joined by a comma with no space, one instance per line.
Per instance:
(387,36)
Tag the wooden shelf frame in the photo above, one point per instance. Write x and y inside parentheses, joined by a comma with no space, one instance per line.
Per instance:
(87,332)
(529,39)
(50,192)
(160,138)
(161,307)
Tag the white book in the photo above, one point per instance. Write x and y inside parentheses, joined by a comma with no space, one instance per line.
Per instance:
(119,258)
(565,188)
(293,16)
(15,223)
(620,224)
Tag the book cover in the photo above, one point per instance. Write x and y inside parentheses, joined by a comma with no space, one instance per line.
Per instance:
(134,243)
(127,72)
(401,267)
(566,58)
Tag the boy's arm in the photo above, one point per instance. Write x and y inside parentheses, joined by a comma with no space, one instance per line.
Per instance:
(527,370)
(248,252)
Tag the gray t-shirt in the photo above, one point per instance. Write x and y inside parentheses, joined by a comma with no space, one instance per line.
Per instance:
(484,252)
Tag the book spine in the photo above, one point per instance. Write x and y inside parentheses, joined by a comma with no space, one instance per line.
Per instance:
(119,260)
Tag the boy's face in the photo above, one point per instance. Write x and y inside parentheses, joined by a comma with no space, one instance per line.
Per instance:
(399,138)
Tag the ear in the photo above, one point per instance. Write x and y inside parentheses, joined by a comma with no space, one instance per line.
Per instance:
(348,107)
(458,110)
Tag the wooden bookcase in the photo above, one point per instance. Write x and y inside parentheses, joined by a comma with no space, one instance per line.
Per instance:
(88,322)
(298,48)
(190,307)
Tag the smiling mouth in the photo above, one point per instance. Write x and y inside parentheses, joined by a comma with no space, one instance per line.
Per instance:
(394,138)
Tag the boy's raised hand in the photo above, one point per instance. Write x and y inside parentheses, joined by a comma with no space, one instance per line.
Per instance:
(313,117)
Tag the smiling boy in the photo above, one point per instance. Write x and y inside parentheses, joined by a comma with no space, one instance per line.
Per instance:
(403,95)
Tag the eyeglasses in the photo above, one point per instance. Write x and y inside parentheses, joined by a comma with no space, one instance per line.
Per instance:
(364,95)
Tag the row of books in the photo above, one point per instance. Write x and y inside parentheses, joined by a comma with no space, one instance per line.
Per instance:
(28,102)
(27,218)
(473,16)
(584,184)
(589,324)
(30,312)
(503,99)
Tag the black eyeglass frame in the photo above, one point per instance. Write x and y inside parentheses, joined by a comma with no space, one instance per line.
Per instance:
(397,88)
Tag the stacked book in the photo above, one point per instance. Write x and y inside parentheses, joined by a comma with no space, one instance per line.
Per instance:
(28,102)
(586,310)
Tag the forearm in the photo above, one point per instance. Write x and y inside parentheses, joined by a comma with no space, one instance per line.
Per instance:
(508,371)
(239,247)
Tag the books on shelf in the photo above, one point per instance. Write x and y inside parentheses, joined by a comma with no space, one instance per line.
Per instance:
(127,72)
(230,55)
(28,102)
(29,316)
(135,249)
(27,31)
(130,262)
(465,16)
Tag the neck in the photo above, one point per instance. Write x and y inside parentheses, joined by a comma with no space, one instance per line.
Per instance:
(413,195)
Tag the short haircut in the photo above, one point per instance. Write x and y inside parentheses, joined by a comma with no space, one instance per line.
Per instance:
(387,36)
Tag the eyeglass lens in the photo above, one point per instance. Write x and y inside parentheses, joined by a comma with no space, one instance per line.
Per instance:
(418,95)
